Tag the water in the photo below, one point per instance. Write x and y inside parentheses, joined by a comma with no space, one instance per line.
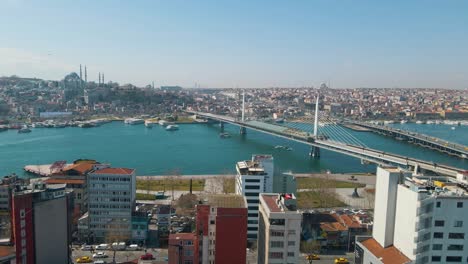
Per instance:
(194,149)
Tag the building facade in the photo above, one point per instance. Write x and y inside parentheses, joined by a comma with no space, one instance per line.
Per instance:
(279,229)
(254,177)
(426,219)
(111,202)
(221,227)
(182,248)
(41,224)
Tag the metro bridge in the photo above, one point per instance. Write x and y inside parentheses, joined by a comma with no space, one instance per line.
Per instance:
(333,137)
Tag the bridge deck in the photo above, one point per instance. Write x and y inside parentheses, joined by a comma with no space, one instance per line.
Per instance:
(371,155)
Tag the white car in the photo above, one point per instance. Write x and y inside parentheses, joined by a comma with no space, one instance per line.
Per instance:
(133,247)
(100,255)
(87,247)
(102,247)
(99,262)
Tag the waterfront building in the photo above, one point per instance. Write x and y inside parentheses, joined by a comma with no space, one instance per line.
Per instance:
(111,202)
(254,177)
(221,228)
(41,223)
(7,184)
(279,229)
(417,219)
(182,248)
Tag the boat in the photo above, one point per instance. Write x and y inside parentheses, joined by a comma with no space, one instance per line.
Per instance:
(38,125)
(388,122)
(404,121)
(172,127)
(148,124)
(60,125)
(224,135)
(289,148)
(453,128)
(279,147)
(87,125)
(430,122)
(279,120)
(24,129)
(399,138)
(419,122)
(134,121)
(165,123)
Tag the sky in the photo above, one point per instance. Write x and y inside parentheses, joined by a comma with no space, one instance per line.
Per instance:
(240,43)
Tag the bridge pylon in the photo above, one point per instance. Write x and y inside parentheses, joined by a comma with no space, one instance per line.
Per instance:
(314,152)
(242,129)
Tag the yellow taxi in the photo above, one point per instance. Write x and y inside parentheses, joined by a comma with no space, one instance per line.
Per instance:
(341,261)
(84,260)
(313,257)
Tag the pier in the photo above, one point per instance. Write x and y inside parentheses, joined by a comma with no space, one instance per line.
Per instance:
(47,169)
(422,140)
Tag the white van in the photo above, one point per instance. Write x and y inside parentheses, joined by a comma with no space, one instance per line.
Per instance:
(118,246)
(133,247)
(102,247)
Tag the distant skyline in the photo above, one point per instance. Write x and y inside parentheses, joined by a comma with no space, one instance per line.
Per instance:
(408,44)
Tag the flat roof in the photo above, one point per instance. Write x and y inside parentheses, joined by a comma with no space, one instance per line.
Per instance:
(387,255)
(270,201)
(226,200)
(64,181)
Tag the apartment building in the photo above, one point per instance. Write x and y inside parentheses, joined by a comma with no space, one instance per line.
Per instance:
(417,219)
(253,177)
(279,229)
(221,227)
(111,202)
(182,248)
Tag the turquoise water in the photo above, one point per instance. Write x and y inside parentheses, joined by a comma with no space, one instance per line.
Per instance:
(194,149)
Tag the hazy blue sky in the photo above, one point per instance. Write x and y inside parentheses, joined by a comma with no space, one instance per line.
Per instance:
(240,43)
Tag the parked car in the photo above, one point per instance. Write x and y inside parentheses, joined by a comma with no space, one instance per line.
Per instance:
(313,257)
(87,247)
(118,246)
(133,247)
(99,262)
(102,247)
(100,255)
(147,256)
(84,260)
(341,261)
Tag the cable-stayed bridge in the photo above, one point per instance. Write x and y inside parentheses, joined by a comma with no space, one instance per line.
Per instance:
(323,132)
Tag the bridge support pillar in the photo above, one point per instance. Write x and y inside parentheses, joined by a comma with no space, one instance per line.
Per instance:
(242,130)
(314,152)
(221,126)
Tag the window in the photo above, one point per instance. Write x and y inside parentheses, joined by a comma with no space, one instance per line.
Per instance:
(252,221)
(276,255)
(456,235)
(188,253)
(251,228)
(252,208)
(290,254)
(212,222)
(455,247)
(188,262)
(438,204)
(252,187)
(252,215)
(292,232)
(252,180)
(453,259)
(251,194)
(188,243)
(277,233)
(276,244)
(438,235)
(439,223)
(459,204)
(436,258)
(277,222)
(291,243)
(458,224)
(252,201)
(437,247)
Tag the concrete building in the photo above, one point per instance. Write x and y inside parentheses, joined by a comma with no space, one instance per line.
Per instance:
(418,219)
(254,177)
(221,227)
(41,223)
(279,229)
(7,185)
(284,183)
(111,202)
(182,248)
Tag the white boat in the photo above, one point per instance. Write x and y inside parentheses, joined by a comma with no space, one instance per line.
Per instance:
(453,128)
(24,129)
(388,122)
(38,125)
(430,122)
(172,127)
(148,124)
(134,121)
(419,122)
(404,121)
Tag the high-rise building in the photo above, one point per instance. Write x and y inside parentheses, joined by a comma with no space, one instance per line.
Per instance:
(279,229)
(418,219)
(221,227)
(41,223)
(111,202)
(254,177)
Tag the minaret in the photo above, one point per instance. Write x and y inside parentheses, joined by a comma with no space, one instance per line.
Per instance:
(81,73)
(85,74)
(102,79)
(99,84)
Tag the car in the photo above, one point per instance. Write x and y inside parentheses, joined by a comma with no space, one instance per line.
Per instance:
(84,260)
(133,247)
(102,247)
(99,262)
(147,256)
(87,247)
(341,261)
(100,255)
(313,257)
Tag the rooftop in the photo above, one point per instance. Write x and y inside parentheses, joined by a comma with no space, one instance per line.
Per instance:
(277,203)
(437,186)
(225,200)
(182,236)
(387,255)
(117,171)
(248,167)
(64,181)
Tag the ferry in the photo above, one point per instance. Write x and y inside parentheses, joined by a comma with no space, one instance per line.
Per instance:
(172,127)
(134,121)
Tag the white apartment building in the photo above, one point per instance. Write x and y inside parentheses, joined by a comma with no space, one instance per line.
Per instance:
(417,219)
(111,201)
(254,177)
(279,229)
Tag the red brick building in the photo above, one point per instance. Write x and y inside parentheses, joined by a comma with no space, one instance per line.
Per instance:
(182,248)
